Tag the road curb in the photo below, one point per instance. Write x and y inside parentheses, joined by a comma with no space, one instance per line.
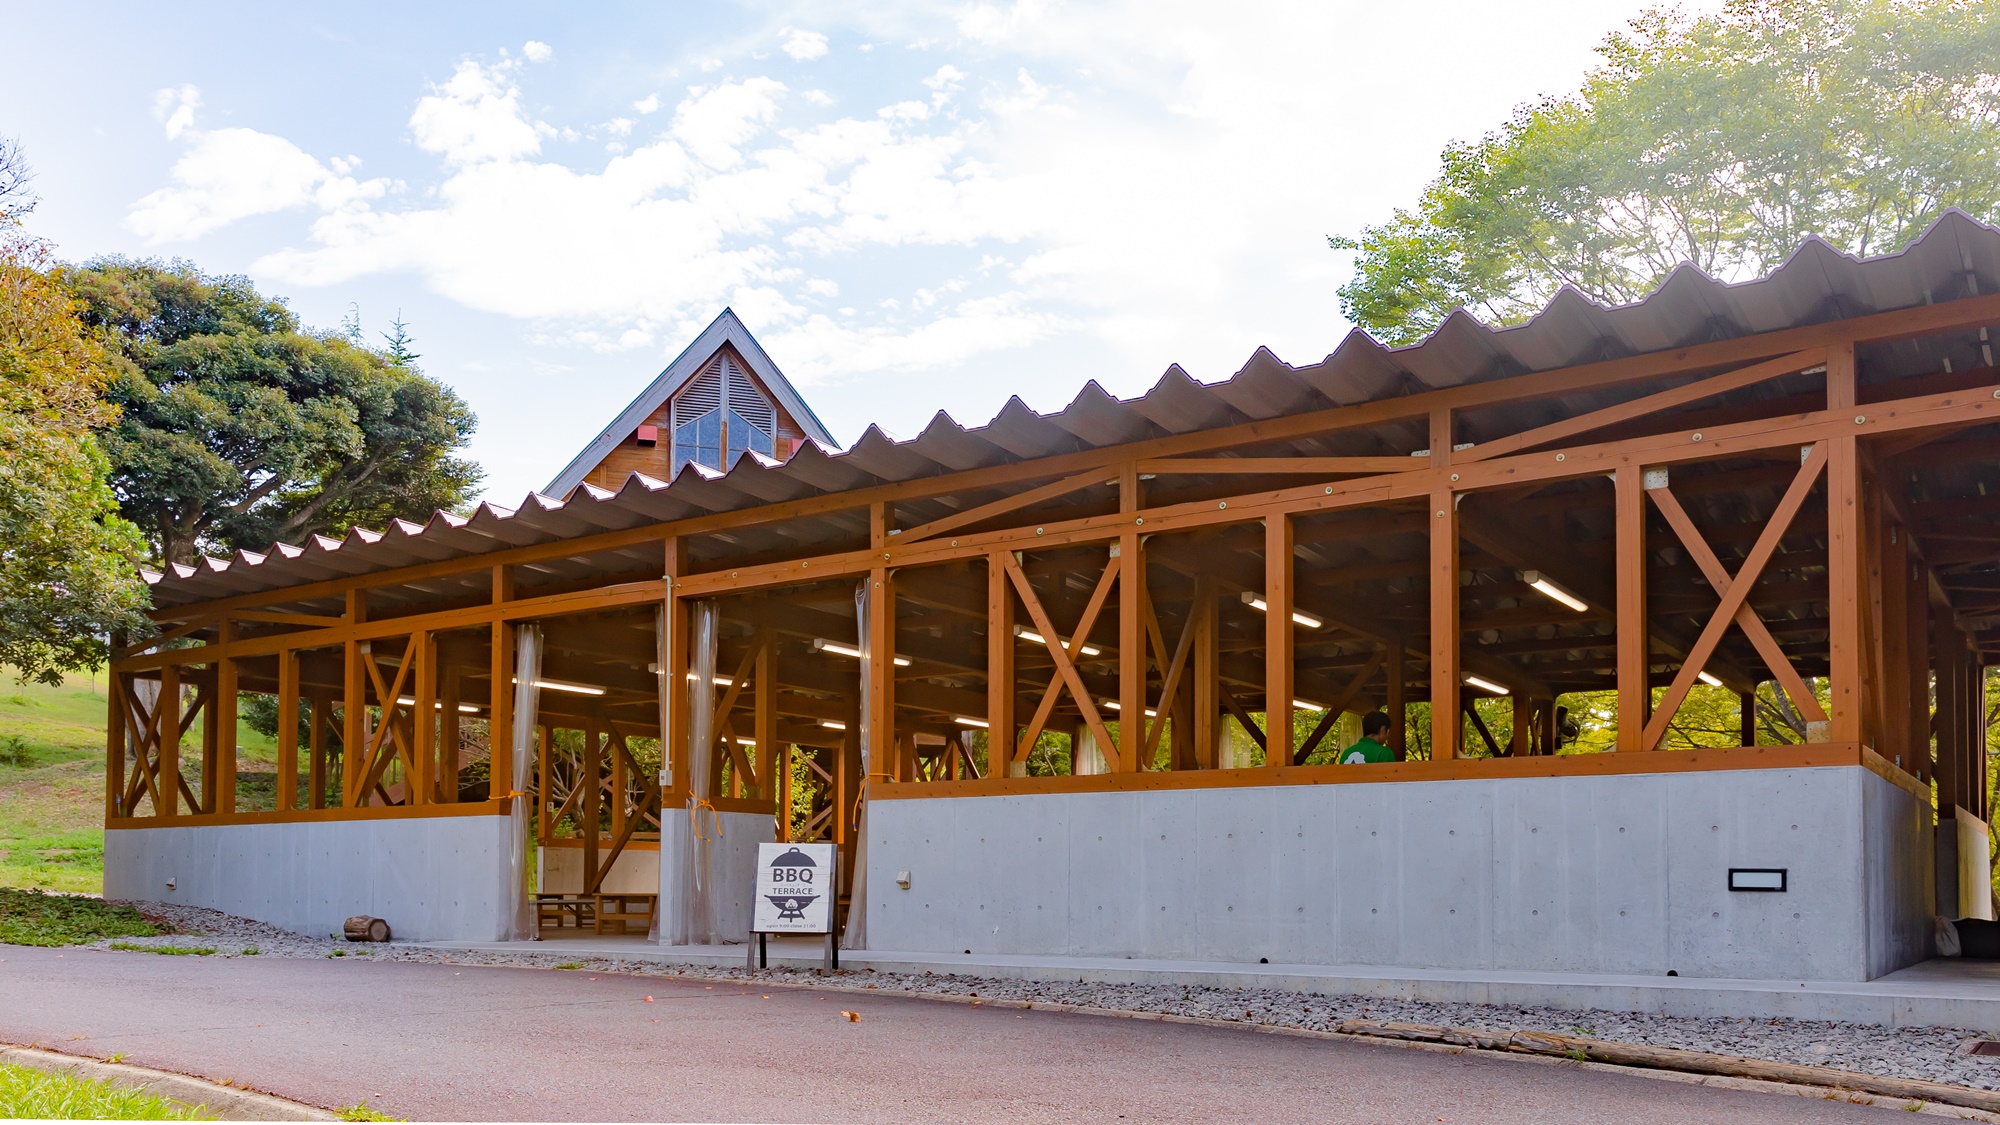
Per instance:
(229,1102)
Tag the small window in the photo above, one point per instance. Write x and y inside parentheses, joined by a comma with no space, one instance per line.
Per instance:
(719,414)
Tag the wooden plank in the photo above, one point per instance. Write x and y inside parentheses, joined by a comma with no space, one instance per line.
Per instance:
(1649,404)
(1277,466)
(1718,577)
(1001,507)
(1279,634)
(1634,629)
(1734,595)
(1000,732)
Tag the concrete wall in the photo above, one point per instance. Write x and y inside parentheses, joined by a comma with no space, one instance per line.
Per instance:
(432,878)
(1622,874)
(635,872)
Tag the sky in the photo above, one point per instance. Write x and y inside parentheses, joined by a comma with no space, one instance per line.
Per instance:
(914,208)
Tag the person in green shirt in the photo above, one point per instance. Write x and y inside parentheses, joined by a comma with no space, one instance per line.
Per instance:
(1370,748)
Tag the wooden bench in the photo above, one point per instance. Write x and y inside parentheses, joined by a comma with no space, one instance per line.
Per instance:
(551,908)
(620,909)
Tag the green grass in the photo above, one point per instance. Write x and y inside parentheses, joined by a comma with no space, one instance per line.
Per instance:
(362,1112)
(27,1092)
(52,782)
(36,917)
(165,950)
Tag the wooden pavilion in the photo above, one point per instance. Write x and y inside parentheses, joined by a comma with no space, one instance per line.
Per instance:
(1088,663)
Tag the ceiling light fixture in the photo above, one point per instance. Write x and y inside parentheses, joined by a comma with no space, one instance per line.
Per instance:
(821,644)
(1299,616)
(1705,677)
(1548,586)
(1486,685)
(1034,638)
(969,721)
(1117,706)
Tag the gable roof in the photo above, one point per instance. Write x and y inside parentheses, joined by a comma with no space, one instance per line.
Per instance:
(727,328)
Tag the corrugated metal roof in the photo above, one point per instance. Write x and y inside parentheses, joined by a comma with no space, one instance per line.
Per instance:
(1956,257)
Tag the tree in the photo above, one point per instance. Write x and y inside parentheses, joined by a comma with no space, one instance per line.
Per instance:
(16,197)
(66,574)
(1721,140)
(239,428)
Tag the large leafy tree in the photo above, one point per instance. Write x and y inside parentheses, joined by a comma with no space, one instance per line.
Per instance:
(66,575)
(1722,140)
(239,428)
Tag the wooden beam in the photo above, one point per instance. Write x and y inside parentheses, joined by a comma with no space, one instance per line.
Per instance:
(1002,506)
(288,731)
(1000,687)
(1844,561)
(1278,466)
(1735,594)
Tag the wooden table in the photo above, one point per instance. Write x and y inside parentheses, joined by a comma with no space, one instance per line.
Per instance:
(551,908)
(619,909)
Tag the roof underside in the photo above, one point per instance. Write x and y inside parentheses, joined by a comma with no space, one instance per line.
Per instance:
(1956,258)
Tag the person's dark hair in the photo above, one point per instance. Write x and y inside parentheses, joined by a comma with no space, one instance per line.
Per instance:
(1374,723)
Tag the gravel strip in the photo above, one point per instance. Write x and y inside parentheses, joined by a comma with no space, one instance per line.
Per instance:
(1930,1053)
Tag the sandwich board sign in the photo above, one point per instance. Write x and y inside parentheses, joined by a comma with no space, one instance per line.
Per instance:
(795,889)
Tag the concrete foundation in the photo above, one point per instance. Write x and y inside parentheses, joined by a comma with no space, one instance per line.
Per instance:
(1620,874)
(734,855)
(433,878)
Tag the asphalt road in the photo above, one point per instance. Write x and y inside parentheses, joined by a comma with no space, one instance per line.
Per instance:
(423,1041)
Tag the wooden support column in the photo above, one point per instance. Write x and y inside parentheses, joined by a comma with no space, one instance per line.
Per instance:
(619,786)
(1446,719)
(591,777)
(1000,727)
(1916,673)
(288,730)
(881,649)
(419,786)
(115,688)
(219,735)
(765,731)
(1746,718)
(1397,701)
(1522,742)
(1635,692)
(354,707)
(1207,717)
(1976,745)
(1278,641)
(674,716)
(167,763)
(1892,566)
(1844,562)
(500,693)
(1131,631)
(544,794)
(449,695)
(322,714)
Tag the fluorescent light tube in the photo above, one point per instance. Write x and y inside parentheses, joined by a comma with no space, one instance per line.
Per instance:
(1547,586)
(565,685)
(1117,706)
(1034,638)
(968,721)
(821,644)
(1298,616)
(831,724)
(1486,685)
(1705,677)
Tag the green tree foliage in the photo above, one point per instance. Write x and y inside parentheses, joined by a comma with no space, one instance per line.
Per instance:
(239,428)
(1721,140)
(66,574)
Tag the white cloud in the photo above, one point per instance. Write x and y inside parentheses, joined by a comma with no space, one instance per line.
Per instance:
(648,104)
(804,45)
(225,175)
(619,126)
(536,51)
(818,97)
(475,116)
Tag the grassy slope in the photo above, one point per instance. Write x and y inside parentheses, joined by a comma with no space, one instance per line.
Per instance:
(52,792)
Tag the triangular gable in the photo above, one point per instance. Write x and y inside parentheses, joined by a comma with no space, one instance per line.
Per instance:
(726,330)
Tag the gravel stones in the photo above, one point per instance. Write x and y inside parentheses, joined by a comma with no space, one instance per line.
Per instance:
(1930,1053)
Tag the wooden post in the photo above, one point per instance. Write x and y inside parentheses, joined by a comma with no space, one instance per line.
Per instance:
(591,777)
(288,730)
(1278,640)
(1132,662)
(1917,643)
(1207,677)
(765,730)
(544,812)
(316,749)
(1635,693)
(1892,567)
(1951,722)
(881,649)
(1522,717)
(1746,721)
(354,707)
(1000,727)
(219,734)
(1446,720)
(500,694)
(419,785)
(167,765)
(448,735)
(1844,563)
(115,688)
(1397,702)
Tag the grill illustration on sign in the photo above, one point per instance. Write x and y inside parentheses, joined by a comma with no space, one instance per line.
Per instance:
(794,871)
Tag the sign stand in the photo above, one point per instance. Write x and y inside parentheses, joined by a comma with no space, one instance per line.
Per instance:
(797,891)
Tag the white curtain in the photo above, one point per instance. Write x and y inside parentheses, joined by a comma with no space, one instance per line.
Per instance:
(856,935)
(695,921)
(527,699)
